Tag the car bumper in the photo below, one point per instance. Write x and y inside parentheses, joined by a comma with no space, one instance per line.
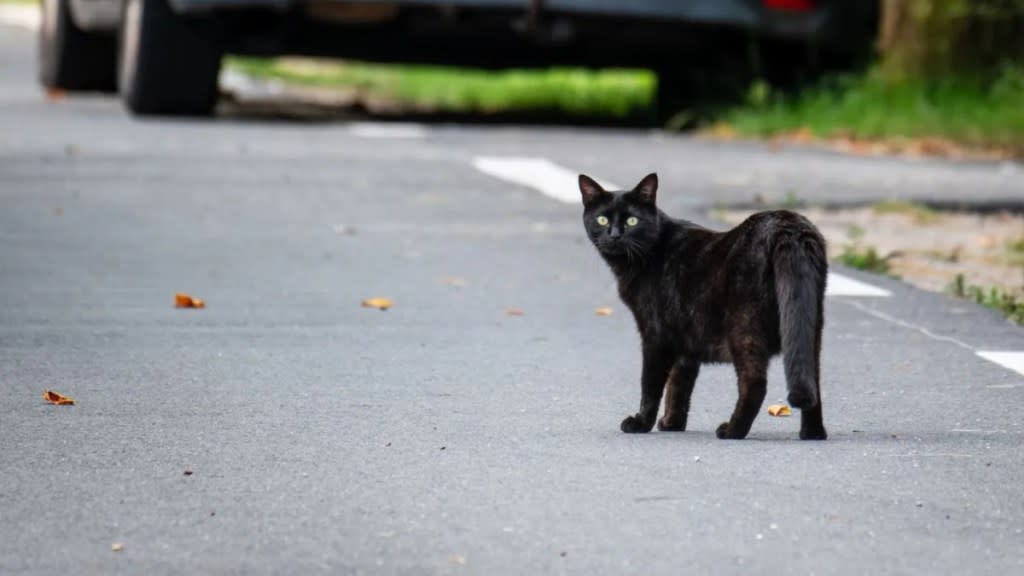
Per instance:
(747,14)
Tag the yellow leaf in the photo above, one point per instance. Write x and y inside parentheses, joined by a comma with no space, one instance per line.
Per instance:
(182,300)
(58,399)
(117,546)
(605,311)
(515,312)
(378,303)
(779,410)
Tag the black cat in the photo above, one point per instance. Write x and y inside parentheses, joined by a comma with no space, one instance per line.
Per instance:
(700,296)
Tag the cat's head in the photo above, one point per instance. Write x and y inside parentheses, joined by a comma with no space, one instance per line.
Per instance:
(621,224)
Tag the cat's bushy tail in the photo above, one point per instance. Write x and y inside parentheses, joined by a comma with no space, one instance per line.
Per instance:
(801,268)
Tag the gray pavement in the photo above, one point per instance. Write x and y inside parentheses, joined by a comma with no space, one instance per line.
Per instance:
(443,436)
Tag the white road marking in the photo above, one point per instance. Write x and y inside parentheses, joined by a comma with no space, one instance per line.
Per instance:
(1012,360)
(1008,359)
(22,16)
(386,130)
(839,285)
(908,325)
(541,174)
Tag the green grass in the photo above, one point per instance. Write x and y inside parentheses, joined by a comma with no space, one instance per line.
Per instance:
(855,255)
(1009,305)
(919,213)
(867,259)
(28,2)
(871,107)
(611,93)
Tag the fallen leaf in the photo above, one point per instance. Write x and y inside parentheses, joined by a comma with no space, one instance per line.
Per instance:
(378,303)
(182,300)
(58,399)
(189,472)
(54,94)
(604,311)
(515,312)
(456,281)
(457,559)
(779,410)
(563,553)
(117,546)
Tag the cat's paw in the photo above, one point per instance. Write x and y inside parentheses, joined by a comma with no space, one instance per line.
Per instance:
(666,424)
(725,432)
(813,433)
(635,424)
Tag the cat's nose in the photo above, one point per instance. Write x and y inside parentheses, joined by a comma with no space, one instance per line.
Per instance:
(614,233)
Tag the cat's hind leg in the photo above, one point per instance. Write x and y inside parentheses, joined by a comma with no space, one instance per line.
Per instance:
(751,365)
(678,390)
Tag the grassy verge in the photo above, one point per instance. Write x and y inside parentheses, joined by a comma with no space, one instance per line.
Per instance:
(609,93)
(1008,304)
(24,2)
(871,107)
(856,255)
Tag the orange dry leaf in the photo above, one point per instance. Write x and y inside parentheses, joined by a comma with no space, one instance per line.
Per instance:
(378,303)
(779,410)
(117,546)
(53,94)
(58,399)
(515,312)
(605,311)
(182,300)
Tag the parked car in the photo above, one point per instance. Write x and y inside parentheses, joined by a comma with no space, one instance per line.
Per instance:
(163,56)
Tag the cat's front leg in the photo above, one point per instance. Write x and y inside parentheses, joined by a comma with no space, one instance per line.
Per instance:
(678,390)
(652,382)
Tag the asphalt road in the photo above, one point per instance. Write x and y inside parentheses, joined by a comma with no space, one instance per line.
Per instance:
(444,436)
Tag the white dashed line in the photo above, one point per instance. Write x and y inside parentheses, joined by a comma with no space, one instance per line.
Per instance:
(1008,359)
(387,130)
(541,174)
(839,285)
(27,16)
(1012,360)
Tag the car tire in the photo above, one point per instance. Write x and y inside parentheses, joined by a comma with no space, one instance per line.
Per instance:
(70,58)
(168,63)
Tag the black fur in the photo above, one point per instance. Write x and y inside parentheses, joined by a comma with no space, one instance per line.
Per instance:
(699,296)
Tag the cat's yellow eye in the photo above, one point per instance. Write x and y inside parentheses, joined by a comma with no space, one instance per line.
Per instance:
(602,220)
(632,221)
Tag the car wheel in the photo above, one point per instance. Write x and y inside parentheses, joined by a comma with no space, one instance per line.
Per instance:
(167,63)
(70,58)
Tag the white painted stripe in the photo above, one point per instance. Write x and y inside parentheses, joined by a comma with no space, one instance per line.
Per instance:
(541,174)
(386,130)
(883,316)
(22,16)
(1012,360)
(839,285)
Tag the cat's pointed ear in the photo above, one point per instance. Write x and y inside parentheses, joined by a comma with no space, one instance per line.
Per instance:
(648,187)
(590,189)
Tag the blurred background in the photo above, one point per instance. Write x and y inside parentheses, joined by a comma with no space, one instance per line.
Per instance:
(945,70)
(914,78)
